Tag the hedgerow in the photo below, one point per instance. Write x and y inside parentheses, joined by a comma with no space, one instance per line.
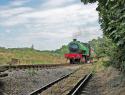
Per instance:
(112,22)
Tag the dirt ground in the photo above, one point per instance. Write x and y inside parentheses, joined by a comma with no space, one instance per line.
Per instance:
(108,81)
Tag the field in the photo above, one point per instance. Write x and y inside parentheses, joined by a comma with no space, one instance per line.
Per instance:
(29,56)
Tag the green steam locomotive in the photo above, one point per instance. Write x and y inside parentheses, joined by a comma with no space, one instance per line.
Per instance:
(80,52)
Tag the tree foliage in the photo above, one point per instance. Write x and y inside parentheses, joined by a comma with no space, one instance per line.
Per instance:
(103,46)
(112,19)
(62,50)
(112,22)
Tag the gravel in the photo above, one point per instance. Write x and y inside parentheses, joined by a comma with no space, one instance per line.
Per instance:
(22,82)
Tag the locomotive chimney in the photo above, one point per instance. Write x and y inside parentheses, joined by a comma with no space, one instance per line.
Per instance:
(74,39)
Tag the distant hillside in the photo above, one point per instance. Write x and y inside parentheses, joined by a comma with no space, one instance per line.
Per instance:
(62,50)
(30,56)
(102,47)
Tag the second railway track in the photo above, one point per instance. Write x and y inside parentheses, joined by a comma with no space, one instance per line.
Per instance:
(68,84)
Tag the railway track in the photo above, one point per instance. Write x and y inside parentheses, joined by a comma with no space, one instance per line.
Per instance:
(70,84)
(79,87)
(6,67)
(38,91)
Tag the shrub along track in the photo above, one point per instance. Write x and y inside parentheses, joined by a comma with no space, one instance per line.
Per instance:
(63,87)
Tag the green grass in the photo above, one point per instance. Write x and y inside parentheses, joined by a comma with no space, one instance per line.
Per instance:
(101,64)
(30,56)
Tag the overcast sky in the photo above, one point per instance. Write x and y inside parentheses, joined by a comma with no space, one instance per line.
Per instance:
(47,24)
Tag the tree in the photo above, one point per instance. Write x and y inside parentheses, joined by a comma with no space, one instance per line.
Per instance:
(112,19)
(112,22)
(62,50)
(103,46)
(32,47)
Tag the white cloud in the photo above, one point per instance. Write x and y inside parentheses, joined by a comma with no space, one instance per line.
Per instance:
(71,10)
(18,2)
(69,14)
(57,25)
(15,11)
(56,3)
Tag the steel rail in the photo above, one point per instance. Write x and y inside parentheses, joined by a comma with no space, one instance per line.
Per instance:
(34,66)
(79,86)
(40,90)
(3,74)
